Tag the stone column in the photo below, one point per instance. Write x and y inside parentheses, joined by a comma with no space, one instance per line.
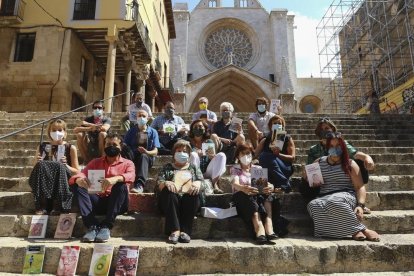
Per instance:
(127,85)
(112,38)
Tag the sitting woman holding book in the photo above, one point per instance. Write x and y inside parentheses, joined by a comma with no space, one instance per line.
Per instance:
(277,152)
(178,190)
(338,210)
(252,195)
(56,161)
(211,163)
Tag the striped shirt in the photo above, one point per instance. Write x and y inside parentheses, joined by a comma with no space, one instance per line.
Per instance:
(334,178)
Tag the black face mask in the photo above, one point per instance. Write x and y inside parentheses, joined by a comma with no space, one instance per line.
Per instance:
(112,151)
(169,112)
(138,104)
(198,132)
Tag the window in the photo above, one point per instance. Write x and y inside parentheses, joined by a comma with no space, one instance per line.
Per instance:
(272,77)
(243,3)
(7,7)
(84,74)
(25,43)
(189,77)
(84,9)
(212,3)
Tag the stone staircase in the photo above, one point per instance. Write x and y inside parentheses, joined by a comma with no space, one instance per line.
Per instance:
(222,246)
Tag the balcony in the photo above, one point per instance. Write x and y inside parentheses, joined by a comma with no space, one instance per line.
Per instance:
(11,11)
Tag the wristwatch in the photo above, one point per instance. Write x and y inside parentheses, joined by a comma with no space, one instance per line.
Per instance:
(362,205)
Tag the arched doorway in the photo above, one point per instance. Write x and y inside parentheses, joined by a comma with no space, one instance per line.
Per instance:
(310,104)
(230,86)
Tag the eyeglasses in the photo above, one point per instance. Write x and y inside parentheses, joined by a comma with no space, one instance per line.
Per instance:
(333,135)
(97,107)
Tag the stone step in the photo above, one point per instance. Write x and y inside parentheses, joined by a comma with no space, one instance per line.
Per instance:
(297,254)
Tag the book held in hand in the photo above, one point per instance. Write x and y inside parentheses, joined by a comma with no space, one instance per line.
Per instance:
(278,139)
(142,139)
(183,180)
(235,124)
(314,174)
(168,128)
(101,259)
(95,178)
(60,152)
(38,227)
(180,127)
(127,261)
(274,104)
(65,226)
(33,260)
(208,148)
(68,261)
(133,115)
(259,178)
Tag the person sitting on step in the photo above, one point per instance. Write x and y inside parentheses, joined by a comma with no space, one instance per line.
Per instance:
(204,114)
(229,136)
(90,136)
(179,187)
(253,197)
(338,210)
(113,199)
(130,118)
(144,142)
(205,156)
(56,161)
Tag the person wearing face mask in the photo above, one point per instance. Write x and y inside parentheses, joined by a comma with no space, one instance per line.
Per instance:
(168,138)
(207,115)
(144,142)
(179,205)
(211,164)
(338,210)
(228,139)
(253,207)
(113,200)
(90,136)
(278,161)
(56,160)
(139,104)
(258,121)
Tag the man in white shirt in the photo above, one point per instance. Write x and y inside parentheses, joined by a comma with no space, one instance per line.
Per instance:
(204,114)
(139,104)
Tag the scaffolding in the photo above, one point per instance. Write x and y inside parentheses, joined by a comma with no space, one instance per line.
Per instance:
(366,49)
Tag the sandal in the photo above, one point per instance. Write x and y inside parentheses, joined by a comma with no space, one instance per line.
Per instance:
(359,236)
(367,210)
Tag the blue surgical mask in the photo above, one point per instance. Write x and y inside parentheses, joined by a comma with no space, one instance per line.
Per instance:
(261,108)
(276,127)
(97,112)
(181,157)
(334,152)
(141,121)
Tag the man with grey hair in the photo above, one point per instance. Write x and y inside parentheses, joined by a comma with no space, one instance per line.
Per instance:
(204,114)
(130,118)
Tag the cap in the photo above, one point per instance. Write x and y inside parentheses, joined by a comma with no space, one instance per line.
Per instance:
(324,120)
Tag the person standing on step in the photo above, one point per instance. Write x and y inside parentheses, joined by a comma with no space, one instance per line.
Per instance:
(139,104)
(179,187)
(253,205)
(170,128)
(204,114)
(211,163)
(56,160)
(338,210)
(229,139)
(258,121)
(113,200)
(144,142)
(90,136)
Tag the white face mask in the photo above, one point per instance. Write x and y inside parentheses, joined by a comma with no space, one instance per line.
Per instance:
(57,135)
(246,159)
(97,112)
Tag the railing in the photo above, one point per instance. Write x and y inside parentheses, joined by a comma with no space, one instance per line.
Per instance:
(12,8)
(60,116)
(132,13)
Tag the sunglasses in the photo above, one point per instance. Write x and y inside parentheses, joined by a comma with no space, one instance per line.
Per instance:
(324,120)
(97,107)
(333,135)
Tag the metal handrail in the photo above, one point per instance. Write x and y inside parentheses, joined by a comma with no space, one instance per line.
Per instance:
(60,116)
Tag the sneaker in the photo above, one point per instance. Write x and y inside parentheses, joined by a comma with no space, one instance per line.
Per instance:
(138,188)
(90,235)
(184,237)
(103,235)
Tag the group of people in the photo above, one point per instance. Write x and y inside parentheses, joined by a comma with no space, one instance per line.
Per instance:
(336,207)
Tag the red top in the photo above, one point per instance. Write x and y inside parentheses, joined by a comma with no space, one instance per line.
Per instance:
(121,167)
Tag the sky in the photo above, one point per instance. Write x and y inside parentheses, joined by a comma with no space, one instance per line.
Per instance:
(308,13)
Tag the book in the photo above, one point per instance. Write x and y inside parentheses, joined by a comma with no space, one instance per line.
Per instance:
(208,148)
(38,227)
(133,115)
(101,259)
(95,178)
(127,261)
(314,174)
(60,152)
(168,128)
(142,139)
(183,126)
(259,178)
(68,261)
(274,104)
(183,179)
(65,226)
(235,124)
(33,260)
(278,139)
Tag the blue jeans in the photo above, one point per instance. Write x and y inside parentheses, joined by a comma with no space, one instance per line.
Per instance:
(279,171)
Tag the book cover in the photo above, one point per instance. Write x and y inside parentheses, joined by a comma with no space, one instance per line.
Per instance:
(259,178)
(180,127)
(278,139)
(38,227)
(95,178)
(274,104)
(127,261)
(60,152)
(68,261)
(314,174)
(208,148)
(142,139)
(168,128)
(101,259)
(133,115)
(235,124)
(33,260)
(183,180)
(65,226)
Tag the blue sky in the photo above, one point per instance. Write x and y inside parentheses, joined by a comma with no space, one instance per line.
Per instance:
(307,13)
